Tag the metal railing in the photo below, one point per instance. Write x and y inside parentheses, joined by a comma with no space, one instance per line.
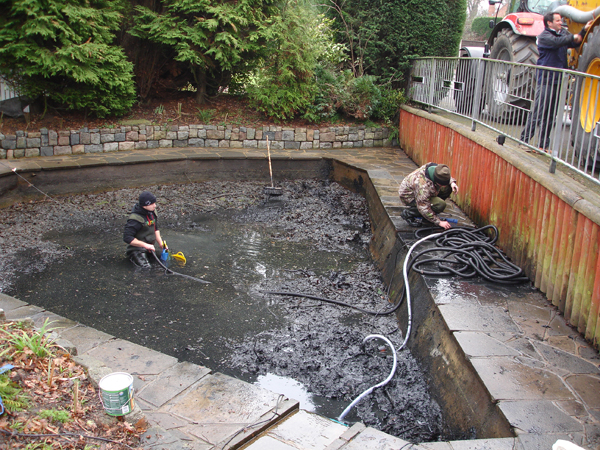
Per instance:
(549,111)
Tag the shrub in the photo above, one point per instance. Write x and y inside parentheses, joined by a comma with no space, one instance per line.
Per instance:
(360,96)
(384,37)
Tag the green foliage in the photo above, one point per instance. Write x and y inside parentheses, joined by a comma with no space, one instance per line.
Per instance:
(285,85)
(359,97)
(389,106)
(481,27)
(36,342)
(384,37)
(13,397)
(55,415)
(61,50)
(40,446)
(211,37)
(205,115)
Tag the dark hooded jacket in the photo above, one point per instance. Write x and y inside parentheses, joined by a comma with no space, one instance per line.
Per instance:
(141,225)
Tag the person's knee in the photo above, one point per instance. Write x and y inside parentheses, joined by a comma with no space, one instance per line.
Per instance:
(140,259)
(437,205)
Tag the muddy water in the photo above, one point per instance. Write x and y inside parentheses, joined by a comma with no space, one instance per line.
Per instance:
(313,240)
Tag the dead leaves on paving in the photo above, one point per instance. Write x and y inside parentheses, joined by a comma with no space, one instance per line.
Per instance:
(50,403)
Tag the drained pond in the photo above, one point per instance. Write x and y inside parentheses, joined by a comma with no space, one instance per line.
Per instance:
(67,255)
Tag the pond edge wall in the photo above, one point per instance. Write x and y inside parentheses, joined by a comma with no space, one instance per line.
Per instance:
(453,382)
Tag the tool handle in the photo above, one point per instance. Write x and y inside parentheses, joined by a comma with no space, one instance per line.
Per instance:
(449,220)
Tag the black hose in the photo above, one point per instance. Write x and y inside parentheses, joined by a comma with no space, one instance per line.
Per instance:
(171,272)
(468,252)
(337,302)
(465,252)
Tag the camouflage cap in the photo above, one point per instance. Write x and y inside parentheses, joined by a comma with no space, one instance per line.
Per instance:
(441,174)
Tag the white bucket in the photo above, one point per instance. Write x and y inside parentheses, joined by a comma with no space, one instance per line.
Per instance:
(116,393)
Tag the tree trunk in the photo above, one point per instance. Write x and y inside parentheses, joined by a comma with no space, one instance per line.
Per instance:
(200,85)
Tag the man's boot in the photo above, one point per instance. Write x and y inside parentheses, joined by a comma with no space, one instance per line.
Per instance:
(140,259)
(410,219)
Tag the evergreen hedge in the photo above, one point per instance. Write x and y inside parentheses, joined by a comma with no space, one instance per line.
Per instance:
(385,36)
(481,27)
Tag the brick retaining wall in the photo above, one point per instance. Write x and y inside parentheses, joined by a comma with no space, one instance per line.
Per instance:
(46,142)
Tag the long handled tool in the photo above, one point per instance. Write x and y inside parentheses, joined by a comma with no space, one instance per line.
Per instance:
(271,190)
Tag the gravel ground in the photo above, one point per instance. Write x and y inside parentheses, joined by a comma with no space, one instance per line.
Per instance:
(321,346)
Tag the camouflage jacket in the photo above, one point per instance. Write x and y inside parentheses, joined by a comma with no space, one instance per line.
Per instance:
(416,186)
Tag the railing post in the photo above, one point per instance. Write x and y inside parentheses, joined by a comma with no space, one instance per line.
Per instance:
(477,98)
(558,126)
(431,85)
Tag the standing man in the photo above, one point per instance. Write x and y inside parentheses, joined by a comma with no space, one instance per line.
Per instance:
(424,192)
(141,230)
(552,44)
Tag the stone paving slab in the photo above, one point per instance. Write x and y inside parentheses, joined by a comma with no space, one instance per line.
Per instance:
(375,439)
(86,338)
(172,382)
(475,444)
(477,344)
(506,379)
(125,356)
(292,433)
(474,317)
(539,417)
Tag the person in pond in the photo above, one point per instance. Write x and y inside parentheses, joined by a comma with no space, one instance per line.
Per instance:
(424,192)
(141,230)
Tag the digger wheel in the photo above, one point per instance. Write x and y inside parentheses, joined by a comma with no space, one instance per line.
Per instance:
(511,85)
(586,111)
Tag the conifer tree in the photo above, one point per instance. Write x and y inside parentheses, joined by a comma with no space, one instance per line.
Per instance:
(211,36)
(60,50)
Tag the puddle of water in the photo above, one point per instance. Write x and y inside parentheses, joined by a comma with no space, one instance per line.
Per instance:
(289,387)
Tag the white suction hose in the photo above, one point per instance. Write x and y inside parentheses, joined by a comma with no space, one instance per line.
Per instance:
(407,334)
(383,383)
(407,287)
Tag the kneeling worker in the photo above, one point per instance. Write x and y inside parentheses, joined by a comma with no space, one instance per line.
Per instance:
(141,230)
(424,192)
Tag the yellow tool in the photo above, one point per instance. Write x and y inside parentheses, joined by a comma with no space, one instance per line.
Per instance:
(179,257)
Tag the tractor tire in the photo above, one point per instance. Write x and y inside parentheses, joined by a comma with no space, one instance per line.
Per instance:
(586,110)
(510,85)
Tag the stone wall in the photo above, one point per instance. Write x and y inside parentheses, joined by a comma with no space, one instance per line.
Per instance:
(46,142)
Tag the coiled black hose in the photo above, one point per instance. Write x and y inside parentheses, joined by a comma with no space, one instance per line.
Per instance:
(464,252)
(467,252)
